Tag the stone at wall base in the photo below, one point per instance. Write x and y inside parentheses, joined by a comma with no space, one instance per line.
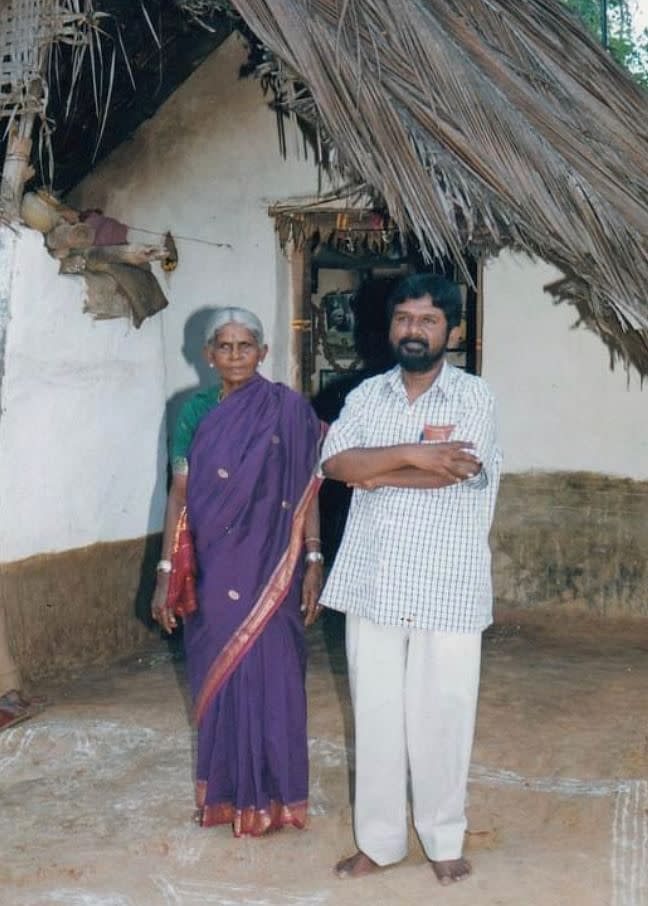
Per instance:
(80,607)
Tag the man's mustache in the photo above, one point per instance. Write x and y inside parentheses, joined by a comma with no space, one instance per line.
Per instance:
(417,341)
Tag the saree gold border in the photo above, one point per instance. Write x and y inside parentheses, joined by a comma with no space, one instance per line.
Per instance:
(268,602)
(256,822)
(181,524)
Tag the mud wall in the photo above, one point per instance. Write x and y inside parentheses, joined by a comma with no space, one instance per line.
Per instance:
(567,547)
(80,607)
(571,545)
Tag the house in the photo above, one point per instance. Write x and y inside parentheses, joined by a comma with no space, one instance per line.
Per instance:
(554,166)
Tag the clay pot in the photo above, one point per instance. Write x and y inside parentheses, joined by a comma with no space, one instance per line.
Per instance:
(38,213)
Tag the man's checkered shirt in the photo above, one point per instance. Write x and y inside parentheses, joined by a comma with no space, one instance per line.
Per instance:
(410,557)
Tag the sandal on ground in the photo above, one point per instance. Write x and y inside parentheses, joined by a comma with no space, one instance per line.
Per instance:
(14,708)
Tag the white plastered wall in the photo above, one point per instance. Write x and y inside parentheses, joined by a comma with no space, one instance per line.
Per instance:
(80,432)
(83,434)
(560,406)
(207,166)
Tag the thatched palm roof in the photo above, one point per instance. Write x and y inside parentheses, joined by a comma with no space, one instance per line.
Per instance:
(482,123)
(92,71)
(478,123)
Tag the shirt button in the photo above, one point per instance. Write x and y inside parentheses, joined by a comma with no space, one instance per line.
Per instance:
(275,438)
(233,595)
(285,504)
(223,473)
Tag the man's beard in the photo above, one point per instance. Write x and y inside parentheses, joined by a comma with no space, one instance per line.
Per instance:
(421,361)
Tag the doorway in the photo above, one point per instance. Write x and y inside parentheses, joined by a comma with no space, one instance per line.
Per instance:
(344,264)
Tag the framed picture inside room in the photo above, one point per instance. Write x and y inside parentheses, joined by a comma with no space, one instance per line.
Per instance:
(326,376)
(339,321)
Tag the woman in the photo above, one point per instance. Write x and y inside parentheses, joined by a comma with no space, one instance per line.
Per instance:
(244,460)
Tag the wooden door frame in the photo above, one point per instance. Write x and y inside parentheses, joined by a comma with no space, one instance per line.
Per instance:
(297,246)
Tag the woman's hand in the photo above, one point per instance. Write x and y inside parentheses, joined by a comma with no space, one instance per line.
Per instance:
(311,590)
(159,611)
(369,484)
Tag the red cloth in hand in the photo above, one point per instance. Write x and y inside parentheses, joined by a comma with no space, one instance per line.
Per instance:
(182,599)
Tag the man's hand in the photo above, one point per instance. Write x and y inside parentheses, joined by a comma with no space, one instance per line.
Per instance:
(453,461)
(311,590)
(159,611)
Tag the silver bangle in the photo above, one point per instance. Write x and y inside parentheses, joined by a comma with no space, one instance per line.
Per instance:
(164,566)
(314,557)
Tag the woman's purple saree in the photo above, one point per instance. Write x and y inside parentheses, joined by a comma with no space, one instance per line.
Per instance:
(251,481)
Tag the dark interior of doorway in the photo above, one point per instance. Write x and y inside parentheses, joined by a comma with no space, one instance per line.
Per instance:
(361,303)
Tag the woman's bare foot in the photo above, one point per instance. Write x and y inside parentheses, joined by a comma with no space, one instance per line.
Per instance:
(451,871)
(355,866)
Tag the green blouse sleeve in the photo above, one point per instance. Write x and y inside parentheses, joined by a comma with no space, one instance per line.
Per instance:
(191,414)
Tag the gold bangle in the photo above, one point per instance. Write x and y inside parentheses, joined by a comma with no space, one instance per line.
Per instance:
(318,540)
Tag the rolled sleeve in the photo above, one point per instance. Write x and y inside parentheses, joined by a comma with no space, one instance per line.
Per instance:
(477,425)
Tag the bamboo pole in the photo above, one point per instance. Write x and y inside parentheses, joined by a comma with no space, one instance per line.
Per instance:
(17,168)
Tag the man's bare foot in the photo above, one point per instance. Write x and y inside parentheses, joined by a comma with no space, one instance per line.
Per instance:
(355,866)
(451,871)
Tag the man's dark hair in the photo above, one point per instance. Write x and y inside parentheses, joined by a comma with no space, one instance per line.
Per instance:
(445,294)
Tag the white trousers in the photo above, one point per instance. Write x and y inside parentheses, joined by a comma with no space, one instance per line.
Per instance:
(414,695)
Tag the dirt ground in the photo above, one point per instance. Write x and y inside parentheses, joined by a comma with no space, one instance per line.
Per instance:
(96,792)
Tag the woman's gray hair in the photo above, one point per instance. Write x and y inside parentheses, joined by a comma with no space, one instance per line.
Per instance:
(233,315)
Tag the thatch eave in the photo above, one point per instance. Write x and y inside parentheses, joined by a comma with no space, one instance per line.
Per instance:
(92,71)
(478,124)
(481,123)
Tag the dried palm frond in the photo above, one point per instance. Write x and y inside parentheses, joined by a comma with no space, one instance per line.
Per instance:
(481,124)
(28,31)
(202,12)
(40,37)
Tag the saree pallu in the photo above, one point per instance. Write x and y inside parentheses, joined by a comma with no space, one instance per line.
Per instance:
(250,483)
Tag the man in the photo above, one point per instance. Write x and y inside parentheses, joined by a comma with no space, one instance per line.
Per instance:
(413,576)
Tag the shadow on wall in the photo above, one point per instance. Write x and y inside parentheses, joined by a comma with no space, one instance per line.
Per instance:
(193,345)
(192,352)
